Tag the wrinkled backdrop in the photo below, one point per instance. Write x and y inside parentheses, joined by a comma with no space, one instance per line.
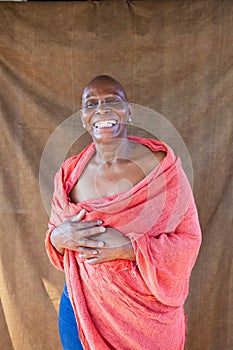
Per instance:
(172,56)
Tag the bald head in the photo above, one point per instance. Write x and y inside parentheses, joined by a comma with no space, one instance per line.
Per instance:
(107,82)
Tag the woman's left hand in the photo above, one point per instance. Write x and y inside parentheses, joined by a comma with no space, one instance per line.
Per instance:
(117,246)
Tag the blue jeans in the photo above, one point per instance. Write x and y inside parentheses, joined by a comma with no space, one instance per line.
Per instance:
(67,324)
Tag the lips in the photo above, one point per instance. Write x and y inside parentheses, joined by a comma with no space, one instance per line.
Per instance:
(105,124)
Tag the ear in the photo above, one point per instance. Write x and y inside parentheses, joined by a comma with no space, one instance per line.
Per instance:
(129,111)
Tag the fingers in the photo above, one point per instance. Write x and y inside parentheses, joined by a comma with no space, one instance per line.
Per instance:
(74,232)
(87,253)
(93,261)
(86,227)
(82,236)
(77,245)
(83,242)
(79,216)
(91,231)
(97,259)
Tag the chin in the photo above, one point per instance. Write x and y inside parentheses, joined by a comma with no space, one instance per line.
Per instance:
(106,136)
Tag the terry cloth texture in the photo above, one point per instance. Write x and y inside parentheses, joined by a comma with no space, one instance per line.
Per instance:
(141,302)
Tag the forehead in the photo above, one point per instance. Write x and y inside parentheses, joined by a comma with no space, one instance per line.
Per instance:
(102,89)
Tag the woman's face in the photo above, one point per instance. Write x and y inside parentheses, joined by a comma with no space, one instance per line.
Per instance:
(105,111)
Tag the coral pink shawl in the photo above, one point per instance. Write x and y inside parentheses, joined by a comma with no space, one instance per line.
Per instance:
(125,305)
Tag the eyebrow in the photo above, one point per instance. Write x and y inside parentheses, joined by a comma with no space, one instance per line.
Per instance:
(106,96)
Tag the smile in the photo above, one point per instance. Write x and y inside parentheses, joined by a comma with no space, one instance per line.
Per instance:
(105,124)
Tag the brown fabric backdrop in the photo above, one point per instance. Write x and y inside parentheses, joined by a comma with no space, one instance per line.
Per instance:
(172,56)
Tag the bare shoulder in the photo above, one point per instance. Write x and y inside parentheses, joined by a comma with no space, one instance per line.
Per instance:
(160,155)
(147,159)
(143,151)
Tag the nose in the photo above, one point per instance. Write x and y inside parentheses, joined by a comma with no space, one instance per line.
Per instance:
(102,108)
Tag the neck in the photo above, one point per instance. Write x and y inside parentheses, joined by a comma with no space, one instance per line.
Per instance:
(111,151)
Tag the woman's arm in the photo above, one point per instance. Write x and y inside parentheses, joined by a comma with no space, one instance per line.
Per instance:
(165,262)
(116,246)
(74,233)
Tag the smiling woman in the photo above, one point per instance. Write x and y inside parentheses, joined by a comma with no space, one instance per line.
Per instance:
(105,109)
(124,229)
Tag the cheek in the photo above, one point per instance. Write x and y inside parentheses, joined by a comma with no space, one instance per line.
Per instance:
(122,115)
(85,120)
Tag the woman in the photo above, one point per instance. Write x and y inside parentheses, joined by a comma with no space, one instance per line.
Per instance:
(125,231)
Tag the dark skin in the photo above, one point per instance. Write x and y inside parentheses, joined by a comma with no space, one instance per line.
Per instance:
(117,165)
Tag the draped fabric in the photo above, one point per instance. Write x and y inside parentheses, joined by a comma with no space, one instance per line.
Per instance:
(172,56)
(120,304)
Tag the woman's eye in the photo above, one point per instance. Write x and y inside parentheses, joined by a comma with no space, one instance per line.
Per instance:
(112,101)
(91,104)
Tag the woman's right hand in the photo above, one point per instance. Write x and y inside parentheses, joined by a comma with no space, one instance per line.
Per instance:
(74,233)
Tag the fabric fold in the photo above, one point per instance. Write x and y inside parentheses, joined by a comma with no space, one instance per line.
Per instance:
(139,302)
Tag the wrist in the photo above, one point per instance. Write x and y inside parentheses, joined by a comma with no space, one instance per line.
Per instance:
(59,249)
(129,252)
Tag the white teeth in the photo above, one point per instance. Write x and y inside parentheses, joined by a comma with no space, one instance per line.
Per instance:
(105,124)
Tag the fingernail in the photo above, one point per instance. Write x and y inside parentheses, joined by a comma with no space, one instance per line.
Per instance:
(99,222)
(88,261)
(95,252)
(102,229)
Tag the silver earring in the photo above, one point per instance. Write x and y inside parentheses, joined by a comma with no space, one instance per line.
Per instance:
(130,120)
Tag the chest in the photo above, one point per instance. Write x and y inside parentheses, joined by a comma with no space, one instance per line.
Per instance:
(98,182)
